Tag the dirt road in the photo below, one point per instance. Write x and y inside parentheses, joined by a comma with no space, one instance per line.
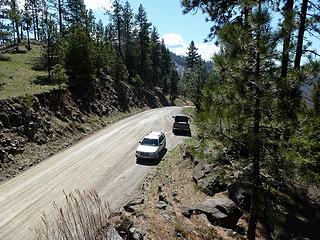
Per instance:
(104,161)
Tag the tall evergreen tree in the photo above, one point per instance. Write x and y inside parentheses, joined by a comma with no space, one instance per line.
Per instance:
(155,56)
(195,78)
(14,16)
(174,80)
(165,66)
(128,38)
(27,23)
(144,45)
(4,27)
(79,57)
(75,12)
(117,22)
(193,57)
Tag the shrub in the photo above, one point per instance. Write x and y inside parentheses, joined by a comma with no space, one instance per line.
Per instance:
(83,215)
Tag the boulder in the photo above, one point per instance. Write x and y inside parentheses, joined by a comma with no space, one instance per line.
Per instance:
(220,211)
(162,205)
(201,170)
(124,227)
(136,234)
(169,215)
(134,202)
(186,211)
(241,195)
(240,190)
(112,234)
(212,184)
(4,118)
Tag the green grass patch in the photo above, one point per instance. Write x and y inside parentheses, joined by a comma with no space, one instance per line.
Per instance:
(18,73)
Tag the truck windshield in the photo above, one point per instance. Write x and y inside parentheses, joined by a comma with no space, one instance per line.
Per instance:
(149,141)
(181,119)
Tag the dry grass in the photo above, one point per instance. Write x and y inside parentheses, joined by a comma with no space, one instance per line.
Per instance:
(82,217)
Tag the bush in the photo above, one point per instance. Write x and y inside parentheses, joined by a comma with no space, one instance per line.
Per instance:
(81,218)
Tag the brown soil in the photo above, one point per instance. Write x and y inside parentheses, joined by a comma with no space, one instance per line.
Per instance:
(173,180)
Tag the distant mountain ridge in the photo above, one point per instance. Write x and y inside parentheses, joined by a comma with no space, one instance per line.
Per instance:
(180,62)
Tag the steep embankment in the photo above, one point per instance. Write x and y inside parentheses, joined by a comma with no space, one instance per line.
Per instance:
(33,128)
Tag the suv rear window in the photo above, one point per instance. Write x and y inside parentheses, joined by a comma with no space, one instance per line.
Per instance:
(181,119)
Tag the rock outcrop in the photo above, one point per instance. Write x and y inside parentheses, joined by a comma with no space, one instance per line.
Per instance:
(45,117)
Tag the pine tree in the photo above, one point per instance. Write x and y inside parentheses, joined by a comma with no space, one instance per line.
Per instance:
(27,22)
(14,16)
(174,80)
(117,22)
(128,38)
(165,66)
(238,102)
(79,58)
(144,45)
(192,58)
(4,28)
(195,80)
(75,12)
(35,9)
(155,56)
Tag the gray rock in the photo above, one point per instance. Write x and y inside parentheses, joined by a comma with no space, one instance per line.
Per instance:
(198,172)
(220,210)
(201,170)
(169,215)
(134,202)
(204,218)
(186,211)
(212,184)
(240,194)
(162,205)
(136,233)
(4,118)
(112,234)
(163,198)
(125,225)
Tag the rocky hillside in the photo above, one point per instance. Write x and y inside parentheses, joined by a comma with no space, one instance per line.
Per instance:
(208,197)
(33,128)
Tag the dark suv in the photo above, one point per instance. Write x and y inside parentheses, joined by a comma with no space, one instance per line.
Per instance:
(181,124)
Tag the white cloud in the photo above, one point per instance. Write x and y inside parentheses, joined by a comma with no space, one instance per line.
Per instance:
(173,40)
(98,4)
(177,45)
(206,50)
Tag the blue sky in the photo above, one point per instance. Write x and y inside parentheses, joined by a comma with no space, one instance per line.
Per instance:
(176,29)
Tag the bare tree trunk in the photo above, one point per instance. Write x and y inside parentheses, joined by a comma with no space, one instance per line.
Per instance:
(28,37)
(60,17)
(256,145)
(34,25)
(283,84)
(302,28)
(21,32)
(288,21)
(295,95)
(17,31)
(119,35)
(37,26)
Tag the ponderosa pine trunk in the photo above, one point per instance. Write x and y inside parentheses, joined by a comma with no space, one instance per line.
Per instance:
(295,94)
(255,142)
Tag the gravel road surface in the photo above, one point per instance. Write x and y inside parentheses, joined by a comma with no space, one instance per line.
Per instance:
(104,161)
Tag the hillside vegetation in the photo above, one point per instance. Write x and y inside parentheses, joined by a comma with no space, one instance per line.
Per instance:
(19,73)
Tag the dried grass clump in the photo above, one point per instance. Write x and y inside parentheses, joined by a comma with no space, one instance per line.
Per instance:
(81,218)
